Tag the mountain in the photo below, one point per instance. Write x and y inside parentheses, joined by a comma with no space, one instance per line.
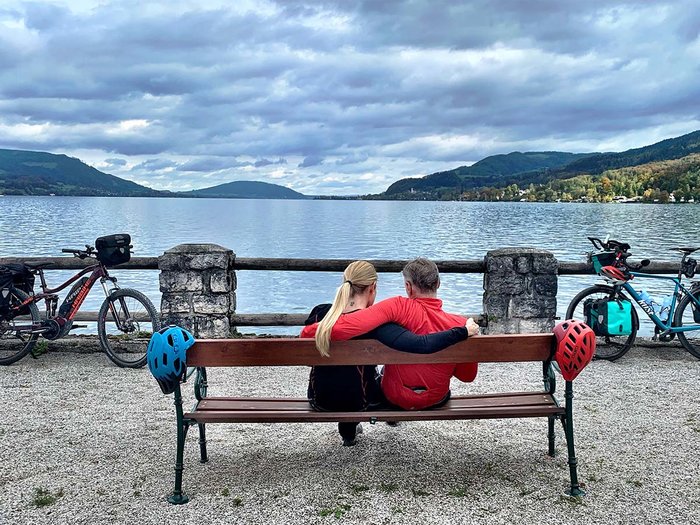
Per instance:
(523,169)
(669,149)
(39,173)
(246,190)
(491,171)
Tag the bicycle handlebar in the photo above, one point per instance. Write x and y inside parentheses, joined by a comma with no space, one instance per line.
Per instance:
(81,254)
(609,244)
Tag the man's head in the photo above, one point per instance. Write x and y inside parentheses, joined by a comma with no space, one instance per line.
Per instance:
(421,278)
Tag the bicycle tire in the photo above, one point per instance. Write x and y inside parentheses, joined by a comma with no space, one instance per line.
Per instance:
(684,317)
(12,348)
(609,348)
(127,342)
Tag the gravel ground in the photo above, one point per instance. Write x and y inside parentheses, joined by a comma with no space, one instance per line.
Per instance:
(98,443)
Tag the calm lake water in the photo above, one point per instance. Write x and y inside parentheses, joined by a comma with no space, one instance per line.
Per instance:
(36,226)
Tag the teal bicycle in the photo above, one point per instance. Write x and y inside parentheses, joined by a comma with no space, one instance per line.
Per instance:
(680,317)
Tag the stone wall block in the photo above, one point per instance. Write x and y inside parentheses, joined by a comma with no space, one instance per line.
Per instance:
(211,304)
(530,307)
(209,260)
(537,325)
(522,264)
(219,281)
(546,285)
(497,305)
(499,265)
(171,262)
(184,281)
(176,303)
(545,264)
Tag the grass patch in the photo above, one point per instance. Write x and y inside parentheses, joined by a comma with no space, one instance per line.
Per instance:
(44,497)
(40,348)
(336,512)
(225,492)
(237,502)
(420,492)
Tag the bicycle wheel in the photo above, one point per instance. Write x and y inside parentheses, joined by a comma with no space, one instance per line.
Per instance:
(132,320)
(16,341)
(607,347)
(684,317)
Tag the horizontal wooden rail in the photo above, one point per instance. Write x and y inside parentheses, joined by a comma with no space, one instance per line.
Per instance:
(264,319)
(323,265)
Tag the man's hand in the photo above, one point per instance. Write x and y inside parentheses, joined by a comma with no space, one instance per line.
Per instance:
(472,327)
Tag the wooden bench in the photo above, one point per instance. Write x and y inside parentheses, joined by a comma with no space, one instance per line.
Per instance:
(302,352)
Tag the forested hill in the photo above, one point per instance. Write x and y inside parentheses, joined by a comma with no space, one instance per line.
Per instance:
(39,173)
(492,171)
(518,171)
(246,190)
(668,149)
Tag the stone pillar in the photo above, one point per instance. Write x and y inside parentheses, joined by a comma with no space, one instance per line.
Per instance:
(520,290)
(198,284)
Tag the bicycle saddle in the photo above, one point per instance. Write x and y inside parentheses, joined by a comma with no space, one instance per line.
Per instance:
(38,264)
(685,249)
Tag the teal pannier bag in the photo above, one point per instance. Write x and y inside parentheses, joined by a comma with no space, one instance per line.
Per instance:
(608,317)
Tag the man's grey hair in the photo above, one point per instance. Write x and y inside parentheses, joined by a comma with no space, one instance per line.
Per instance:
(423,274)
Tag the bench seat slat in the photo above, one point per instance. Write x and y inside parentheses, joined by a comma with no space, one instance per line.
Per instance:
(254,410)
(302,352)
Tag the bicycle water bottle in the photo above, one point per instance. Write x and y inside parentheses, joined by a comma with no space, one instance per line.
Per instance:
(665,308)
(644,296)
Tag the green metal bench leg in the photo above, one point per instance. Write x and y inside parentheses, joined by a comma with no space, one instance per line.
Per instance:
(203,458)
(568,423)
(550,435)
(178,497)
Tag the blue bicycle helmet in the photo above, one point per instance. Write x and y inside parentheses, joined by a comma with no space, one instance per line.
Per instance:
(166,356)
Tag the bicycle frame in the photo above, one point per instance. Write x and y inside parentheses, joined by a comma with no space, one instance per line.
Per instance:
(96,271)
(678,290)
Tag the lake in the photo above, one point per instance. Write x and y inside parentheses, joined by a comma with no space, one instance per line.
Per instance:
(41,226)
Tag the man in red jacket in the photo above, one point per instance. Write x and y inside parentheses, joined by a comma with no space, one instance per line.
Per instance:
(412,387)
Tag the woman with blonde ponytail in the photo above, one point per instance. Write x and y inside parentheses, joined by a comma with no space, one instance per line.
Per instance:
(357,388)
(359,289)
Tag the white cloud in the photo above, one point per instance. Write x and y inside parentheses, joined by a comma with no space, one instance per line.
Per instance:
(335,96)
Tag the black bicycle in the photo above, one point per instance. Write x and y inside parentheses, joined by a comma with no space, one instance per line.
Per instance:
(125,321)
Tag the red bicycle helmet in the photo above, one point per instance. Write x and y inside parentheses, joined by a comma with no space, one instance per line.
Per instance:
(575,347)
(614,275)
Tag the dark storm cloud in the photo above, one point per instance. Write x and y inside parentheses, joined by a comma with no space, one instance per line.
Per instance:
(379,90)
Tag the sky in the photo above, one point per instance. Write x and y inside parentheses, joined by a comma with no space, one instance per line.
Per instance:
(340,97)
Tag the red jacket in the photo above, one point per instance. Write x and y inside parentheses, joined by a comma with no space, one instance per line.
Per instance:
(422,316)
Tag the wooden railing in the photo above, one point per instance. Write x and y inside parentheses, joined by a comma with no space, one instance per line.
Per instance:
(307,265)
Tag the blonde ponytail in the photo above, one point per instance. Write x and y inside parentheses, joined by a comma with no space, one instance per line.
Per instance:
(356,277)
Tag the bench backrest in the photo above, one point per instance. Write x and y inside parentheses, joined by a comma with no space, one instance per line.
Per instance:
(300,352)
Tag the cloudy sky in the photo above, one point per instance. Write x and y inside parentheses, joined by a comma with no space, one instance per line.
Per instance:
(339,97)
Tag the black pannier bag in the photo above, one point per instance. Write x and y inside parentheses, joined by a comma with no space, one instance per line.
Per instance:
(18,276)
(113,249)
